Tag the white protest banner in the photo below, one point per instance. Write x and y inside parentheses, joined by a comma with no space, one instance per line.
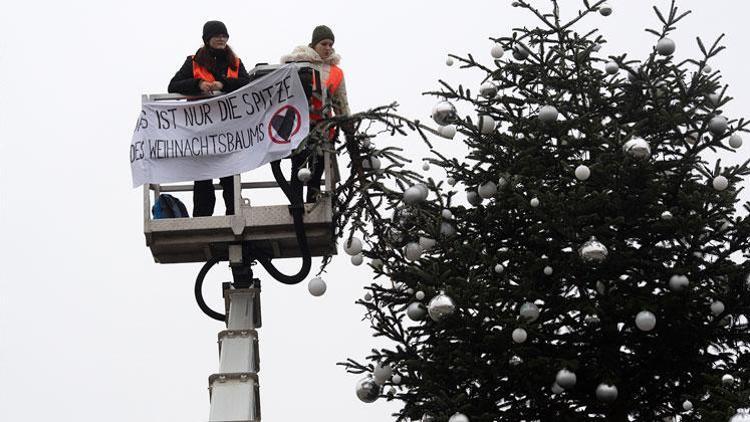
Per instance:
(177,141)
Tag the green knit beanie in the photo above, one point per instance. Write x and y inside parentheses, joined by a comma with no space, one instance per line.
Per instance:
(320,33)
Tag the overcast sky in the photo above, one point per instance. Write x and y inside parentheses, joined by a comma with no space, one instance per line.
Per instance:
(91,328)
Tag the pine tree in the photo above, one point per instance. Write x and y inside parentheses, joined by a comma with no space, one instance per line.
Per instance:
(600,268)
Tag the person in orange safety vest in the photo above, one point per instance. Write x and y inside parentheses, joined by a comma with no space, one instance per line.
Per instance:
(320,51)
(214,67)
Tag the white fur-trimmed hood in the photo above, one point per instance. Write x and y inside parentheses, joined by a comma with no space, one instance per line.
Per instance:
(304,53)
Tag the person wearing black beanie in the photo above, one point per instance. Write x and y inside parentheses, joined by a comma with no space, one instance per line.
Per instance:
(219,68)
(213,68)
(212,29)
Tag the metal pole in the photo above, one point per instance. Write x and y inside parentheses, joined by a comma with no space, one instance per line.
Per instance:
(234,390)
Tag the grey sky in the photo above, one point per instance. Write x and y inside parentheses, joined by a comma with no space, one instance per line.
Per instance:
(90,327)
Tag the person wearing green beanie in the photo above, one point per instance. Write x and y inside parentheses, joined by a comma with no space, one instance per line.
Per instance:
(320,33)
(320,52)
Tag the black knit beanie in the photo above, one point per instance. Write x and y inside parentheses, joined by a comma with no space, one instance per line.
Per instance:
(320,33)
(212,29)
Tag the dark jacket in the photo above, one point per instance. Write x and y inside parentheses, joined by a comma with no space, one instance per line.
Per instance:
(184,83)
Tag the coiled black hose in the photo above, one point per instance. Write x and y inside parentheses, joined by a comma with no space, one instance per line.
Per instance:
(199,290)
(293,192)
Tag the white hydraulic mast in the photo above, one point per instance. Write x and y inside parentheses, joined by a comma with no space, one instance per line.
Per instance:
(234,390)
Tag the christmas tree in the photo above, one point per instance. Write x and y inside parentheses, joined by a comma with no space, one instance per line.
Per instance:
(598,269)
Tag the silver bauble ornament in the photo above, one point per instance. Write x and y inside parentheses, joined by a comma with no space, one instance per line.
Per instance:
(412,251)
(601,288)
(665,46)
(316,286)
(396,379)
(381,374)
(473,198)
(423,191)
(637,148)
(371,163)
(488,90)
(353,246)
(412,195)
(497,51)
(448,131)
(451,181)
(606,392)
(720,183)
(548,114)
(645,321)
(367,390)
(425,166)
(556,389)
(593,251)
(368,296)
(678,283)
(304,175)
(718,125)
(487,190)
(687,405)
(612,67)
(447,229)
(666,215)
(377,263)
(706,68)
(714,99)
(727,379)
(582,172)
(449,61)
(486,124)
(534,202)
(605,10)
(529,311)
(519,335)
(444,113)
(548,270)
(565,379)
(717,308)
(416,311)
(499,268)
(458,417)
(419,295)
(441,306)
(735,141)
(520,51)
(446,214)
(427,418)
(426,243)
(357,259)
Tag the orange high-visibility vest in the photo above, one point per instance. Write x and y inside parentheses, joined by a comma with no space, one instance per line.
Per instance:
(335,77)
(200,72)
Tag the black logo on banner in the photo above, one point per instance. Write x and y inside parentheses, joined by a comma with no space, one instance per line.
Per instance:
(285,123)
